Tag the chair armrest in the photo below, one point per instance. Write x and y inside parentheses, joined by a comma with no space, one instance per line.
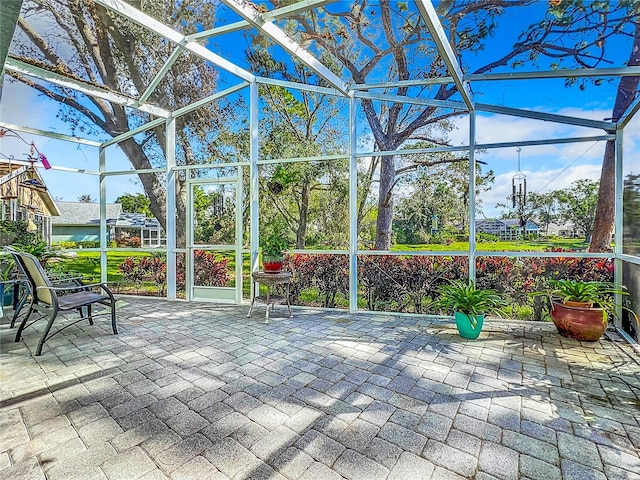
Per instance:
(75,287)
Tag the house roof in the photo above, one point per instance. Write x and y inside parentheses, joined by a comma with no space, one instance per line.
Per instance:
(136,220)
(83,213)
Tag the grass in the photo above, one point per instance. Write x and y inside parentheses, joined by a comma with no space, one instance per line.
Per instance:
(503,246)
(88,264)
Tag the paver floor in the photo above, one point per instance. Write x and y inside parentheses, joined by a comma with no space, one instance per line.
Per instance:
(199,391)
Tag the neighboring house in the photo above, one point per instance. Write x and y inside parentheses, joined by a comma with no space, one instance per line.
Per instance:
(80,222)
(565,230)
(506,228)
(138,225)
(24,196)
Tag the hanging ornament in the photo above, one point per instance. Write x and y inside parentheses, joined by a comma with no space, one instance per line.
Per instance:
(519,187)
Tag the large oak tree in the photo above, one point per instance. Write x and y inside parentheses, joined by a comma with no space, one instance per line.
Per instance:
(84,41)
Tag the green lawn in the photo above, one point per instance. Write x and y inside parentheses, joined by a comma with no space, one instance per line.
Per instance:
(88,264)
(520,246)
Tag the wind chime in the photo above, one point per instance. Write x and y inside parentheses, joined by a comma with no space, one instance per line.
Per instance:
(519,186)
(218,210)
(519,193)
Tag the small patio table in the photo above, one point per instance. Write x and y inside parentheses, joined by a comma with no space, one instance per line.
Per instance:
(270,280)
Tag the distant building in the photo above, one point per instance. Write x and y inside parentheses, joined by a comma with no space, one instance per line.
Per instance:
(24,196)
(568,230)
(506,228)
(80,222)
(138,225)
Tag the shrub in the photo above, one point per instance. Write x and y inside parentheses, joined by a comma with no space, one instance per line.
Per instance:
(328,274)
(89,244)
(209,271)
(67,245)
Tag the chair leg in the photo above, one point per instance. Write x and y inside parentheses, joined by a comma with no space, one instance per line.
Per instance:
(53,316)
(18,307)
(23,323)
(88,314)
(113,317)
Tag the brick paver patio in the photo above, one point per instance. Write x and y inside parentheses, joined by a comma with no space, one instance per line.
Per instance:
(199,391)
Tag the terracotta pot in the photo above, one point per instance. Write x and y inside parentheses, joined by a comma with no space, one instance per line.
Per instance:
(579,323)
(569,303)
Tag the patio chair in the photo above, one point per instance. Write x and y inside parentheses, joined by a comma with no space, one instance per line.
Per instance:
(49,300)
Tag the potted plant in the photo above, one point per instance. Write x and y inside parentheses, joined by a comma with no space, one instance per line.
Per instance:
(580,309)
(6,274)
(469,305)
(273,248)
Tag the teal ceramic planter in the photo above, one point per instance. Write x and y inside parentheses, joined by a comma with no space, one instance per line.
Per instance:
(6,294)
(465,329)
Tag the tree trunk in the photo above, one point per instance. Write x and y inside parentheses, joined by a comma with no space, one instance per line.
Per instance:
(156,191)
(605,211)
(301,232)
(385,203)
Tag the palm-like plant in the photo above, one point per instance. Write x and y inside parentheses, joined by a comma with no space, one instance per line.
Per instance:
(465,298)
(600,294)
(40,250)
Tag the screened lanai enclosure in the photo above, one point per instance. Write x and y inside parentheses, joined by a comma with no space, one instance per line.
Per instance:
(394,146)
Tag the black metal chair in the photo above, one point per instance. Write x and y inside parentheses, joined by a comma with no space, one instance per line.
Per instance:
(49,300)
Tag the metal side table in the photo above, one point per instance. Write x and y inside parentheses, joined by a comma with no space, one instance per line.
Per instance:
(270,280)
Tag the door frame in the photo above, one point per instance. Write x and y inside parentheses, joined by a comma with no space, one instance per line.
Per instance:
(232,295)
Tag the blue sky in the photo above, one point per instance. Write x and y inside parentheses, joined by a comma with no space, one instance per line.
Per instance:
(547,167)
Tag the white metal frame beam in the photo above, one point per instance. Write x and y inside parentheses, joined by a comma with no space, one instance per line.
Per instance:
(431,102)
(629,113)
(488,146)
(249,12)
(160,75)
(159,28)
(275,14)
(43,133)
(547,117)
(32,71)
(181,111)
(430,17)
(492,77)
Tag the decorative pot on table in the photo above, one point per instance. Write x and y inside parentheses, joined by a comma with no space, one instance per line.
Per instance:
(272,264)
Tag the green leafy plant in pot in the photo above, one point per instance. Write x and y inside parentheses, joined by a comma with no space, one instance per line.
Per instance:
(469,305)
(580,309)
(273,248)
(7,270)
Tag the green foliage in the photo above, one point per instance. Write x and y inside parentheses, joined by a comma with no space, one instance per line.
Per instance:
(16,232)
(631,214)
(7,266)
(89,244)
(135,203)
(580,291)
(578,203)
(464,297)
(66,245)
(40,250)
(274,245)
